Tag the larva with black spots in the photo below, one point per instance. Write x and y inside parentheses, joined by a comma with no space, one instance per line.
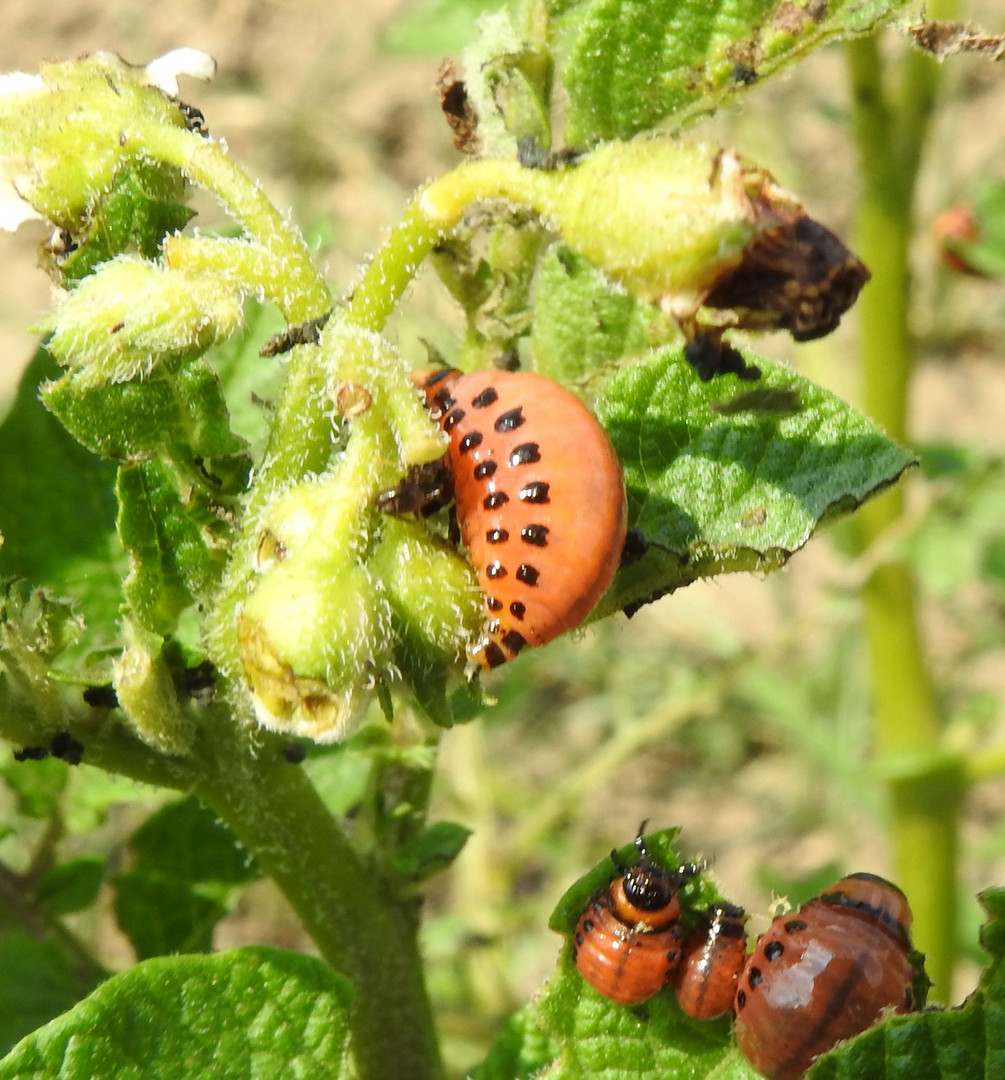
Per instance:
(540,502)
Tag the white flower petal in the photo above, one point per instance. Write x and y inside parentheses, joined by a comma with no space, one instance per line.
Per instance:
(164,71)
(19,82)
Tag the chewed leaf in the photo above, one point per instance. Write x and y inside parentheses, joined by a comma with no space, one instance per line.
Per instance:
(655,1042)
(248,1012)
(725,476)
(659,845)
(634,66)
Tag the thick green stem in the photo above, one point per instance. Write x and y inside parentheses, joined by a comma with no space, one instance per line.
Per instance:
(925,798)
(360,927)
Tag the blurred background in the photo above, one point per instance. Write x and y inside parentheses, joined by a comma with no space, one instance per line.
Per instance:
(738,708)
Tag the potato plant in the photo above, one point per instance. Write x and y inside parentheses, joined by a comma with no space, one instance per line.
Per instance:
(201,589)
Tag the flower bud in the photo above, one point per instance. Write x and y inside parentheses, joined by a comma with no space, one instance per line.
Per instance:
(313,646)
(315,632)
(432,589)
(687,225)
(130,315)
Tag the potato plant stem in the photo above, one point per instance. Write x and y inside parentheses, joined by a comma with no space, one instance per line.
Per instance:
(435,210)
(924,786)
(362,929)
(359,924)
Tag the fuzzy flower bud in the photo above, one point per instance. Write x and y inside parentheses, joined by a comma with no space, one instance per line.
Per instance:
(692,225)
(130,315)
(64,132)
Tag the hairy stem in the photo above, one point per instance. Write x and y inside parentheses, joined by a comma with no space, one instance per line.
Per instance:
(205,163)
(361,928)
(435,210)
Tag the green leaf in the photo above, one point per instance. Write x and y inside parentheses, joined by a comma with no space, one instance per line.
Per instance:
(954,544)
(39,785)
(431,851)
(657,1042)
(520,1052)
(254,1012)
(37,984)
(636,64)
(219,455)
(172,566)
(163,904)
(173,430)
(722,476)
(97,793)
(162,914)
(580,323)
(186,840)
(139,210)
(341,773)
(71,886)
(249,381)
(180,414)
(58,510)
